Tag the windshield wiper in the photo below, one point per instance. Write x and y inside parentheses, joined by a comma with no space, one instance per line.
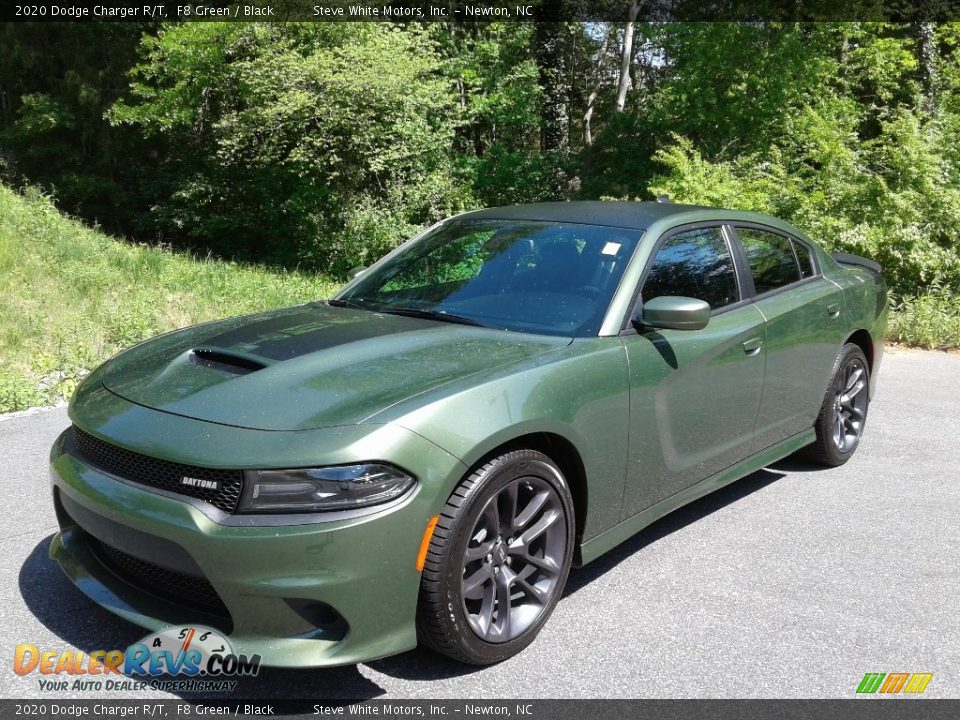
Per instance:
(336,302)
(441,315)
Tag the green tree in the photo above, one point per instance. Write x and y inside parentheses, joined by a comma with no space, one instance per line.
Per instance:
(56,82)
(284,132)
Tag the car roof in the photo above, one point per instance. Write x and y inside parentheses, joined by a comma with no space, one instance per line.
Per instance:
(621,214)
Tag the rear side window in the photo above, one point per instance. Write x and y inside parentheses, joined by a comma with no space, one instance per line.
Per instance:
(805,258)
(770,257)
(694,263)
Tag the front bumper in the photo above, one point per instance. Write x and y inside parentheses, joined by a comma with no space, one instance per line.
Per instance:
(277,582)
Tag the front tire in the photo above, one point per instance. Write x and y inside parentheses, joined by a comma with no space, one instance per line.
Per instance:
(843,413)
(498,559)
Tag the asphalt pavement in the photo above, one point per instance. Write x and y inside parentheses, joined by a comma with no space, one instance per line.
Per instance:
(792,582)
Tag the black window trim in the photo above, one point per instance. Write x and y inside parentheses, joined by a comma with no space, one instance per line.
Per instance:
(626,326)
(792,239)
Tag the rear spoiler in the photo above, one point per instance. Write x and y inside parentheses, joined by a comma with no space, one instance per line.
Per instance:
(849,259)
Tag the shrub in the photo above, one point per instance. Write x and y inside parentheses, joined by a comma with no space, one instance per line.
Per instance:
(929,321)
(894,199)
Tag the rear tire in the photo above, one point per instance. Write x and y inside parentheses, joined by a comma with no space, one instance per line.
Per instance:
(498,559)
(843,414)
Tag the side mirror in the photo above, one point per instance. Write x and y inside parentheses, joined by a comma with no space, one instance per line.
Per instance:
(356,271)
(671,312)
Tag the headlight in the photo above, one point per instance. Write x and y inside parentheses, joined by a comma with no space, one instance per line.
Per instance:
(337,487)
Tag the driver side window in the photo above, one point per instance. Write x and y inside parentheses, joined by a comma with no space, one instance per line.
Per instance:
(694,263)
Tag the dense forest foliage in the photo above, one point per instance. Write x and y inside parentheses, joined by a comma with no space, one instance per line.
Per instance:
(323,145)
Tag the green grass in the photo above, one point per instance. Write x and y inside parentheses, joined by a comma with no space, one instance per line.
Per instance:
(70,297)
(930,321)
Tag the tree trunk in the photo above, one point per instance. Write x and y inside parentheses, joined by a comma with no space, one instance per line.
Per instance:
(597,81)
(627,56)
(928,57)
(551,62)
(588,116)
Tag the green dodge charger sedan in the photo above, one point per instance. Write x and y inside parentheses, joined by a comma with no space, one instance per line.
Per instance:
(423,457)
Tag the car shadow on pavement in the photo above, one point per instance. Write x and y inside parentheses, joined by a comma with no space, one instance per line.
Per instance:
(71,616)
(423,665)
(794,464)
(677,520)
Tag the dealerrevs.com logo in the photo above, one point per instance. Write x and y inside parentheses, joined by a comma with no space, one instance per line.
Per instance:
(201,659)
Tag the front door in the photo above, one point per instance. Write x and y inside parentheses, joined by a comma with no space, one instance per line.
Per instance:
(694,395)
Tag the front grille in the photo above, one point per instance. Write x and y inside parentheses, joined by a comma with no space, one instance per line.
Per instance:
(162,474)
(187,590)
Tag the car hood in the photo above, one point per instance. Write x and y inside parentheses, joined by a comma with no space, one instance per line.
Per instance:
(308,367)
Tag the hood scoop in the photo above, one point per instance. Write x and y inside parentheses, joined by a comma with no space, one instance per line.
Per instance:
(226,360)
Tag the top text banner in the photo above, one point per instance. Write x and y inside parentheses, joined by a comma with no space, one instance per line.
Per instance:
(484,11)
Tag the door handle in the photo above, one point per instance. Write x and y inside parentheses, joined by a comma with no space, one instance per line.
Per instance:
(752,346)
(833,310)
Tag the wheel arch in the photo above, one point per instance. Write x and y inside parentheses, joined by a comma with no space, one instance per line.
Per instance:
(862,339)
(565,454)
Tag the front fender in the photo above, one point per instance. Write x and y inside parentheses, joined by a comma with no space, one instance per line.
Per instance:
(580,394)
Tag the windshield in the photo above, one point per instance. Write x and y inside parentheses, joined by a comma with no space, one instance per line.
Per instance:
(536,277)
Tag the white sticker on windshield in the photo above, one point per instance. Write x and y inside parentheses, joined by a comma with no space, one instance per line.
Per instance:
(611,248)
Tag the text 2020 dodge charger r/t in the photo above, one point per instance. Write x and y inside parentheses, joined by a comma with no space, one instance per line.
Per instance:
(424,456)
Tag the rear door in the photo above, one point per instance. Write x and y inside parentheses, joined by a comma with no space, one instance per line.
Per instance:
(803,329)
(693,394)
